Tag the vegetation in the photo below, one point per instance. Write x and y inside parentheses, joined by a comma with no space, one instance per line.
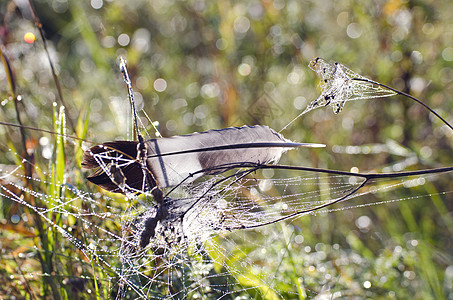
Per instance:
(198,65)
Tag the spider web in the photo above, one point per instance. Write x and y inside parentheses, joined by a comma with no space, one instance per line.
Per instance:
(338,84)
(196,251)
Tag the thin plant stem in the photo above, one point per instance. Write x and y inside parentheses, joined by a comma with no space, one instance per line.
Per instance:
(16,99)
(26,281)
(52,68)
(406,95)
(130,92)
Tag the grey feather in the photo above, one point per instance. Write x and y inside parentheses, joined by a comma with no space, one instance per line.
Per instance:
(173,159)
(187,157)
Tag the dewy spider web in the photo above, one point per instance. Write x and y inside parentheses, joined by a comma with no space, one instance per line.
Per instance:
(338,85)
(184,260)
(183,256)
(192,254)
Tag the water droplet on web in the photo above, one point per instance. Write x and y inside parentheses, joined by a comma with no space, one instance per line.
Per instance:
(265,185)
(367,284)
(340,85)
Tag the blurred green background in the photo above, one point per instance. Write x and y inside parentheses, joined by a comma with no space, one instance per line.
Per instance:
(199,65)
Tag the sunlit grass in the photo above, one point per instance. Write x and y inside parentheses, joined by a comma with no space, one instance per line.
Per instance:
(402,252)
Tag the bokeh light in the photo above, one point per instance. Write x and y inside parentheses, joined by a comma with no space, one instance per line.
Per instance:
(160,85)
(29,38)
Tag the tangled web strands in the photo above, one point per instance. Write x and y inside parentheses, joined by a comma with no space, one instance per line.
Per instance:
(192,252)
(183,260)
(338,85)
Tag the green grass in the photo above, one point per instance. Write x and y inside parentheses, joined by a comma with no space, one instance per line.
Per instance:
(405,252)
